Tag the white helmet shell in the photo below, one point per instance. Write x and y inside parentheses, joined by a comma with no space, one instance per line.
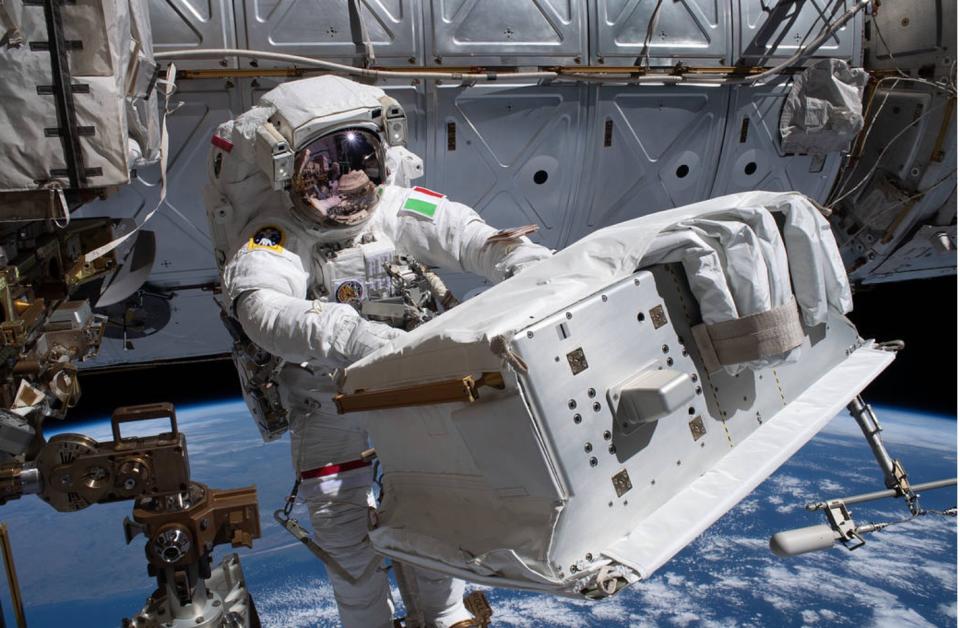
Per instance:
(305,109)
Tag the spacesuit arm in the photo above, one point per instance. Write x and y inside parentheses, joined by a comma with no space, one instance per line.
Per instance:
(267,290)
(299,330)
(456,238)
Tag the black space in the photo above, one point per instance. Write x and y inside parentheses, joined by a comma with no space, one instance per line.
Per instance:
(922,313)
(183,384)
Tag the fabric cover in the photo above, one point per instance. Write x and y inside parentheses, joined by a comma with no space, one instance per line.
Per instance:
(115,63)
(823,111)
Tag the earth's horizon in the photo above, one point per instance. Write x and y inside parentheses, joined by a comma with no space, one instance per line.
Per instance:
(76,565)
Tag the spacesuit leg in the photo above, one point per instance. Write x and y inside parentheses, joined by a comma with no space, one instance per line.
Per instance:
(440,599)
(338,503)
(338,512)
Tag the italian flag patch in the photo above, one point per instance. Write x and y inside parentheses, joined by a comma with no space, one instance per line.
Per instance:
(422,203)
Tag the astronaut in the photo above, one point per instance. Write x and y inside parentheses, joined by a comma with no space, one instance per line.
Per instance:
(307,209)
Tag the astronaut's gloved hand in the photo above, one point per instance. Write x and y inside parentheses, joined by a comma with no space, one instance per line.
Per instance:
(522,257)
(364,337)
(517,254)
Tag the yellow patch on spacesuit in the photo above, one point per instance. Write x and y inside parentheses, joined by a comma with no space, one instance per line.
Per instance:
(270,238)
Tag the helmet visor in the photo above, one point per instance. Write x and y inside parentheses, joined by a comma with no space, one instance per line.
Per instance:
(335,177)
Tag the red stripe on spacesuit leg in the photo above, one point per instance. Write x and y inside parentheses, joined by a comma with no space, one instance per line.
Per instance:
(333,469)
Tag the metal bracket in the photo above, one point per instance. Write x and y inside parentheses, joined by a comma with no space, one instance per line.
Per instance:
(463,390)
(842,522)
(894,475)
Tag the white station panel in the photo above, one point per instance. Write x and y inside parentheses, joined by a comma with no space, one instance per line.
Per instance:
(695,32)
(650,149)
(505,32)
(752,158)
(769,32)
(184,24)
(510,152)
(924,36)
(328,29)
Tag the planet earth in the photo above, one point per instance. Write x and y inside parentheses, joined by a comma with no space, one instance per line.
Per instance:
(75,569)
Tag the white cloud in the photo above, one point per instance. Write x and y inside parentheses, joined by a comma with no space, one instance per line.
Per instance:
(950,610)
(296,604)
(809,616)
(898,618)
(829,486)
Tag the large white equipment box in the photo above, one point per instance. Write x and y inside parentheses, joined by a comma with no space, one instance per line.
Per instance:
(608,446)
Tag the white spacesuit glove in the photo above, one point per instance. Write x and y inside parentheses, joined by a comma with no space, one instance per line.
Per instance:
(520,258)
(367,337)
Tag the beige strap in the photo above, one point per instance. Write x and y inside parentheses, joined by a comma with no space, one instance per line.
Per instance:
(749,338)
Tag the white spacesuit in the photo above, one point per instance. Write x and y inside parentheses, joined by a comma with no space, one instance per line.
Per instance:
(305,220)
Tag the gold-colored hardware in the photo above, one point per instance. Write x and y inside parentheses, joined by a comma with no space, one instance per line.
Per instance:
(463,390)
(12,581)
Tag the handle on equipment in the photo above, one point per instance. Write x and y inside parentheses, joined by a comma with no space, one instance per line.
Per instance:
(144,412)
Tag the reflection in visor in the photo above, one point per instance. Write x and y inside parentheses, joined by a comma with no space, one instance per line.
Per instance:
(335,177)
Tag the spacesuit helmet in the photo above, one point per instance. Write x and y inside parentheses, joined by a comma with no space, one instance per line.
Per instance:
(326,144)
(335,177)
